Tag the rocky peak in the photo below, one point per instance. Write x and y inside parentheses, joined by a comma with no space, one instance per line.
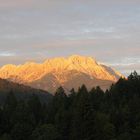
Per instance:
(81,59)
(61,71)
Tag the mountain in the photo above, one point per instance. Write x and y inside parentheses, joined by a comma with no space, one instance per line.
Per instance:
(21,91)
(69,72)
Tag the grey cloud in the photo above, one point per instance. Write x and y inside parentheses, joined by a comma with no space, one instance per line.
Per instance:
(37,29)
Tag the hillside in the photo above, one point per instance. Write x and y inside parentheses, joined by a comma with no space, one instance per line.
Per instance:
(21,91)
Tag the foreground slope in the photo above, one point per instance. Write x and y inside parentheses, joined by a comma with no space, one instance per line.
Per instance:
(21,91)
(69,72)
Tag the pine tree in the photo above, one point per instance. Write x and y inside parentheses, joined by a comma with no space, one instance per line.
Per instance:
(83,116)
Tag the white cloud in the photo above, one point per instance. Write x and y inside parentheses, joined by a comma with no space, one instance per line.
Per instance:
(127,61)
(6,54)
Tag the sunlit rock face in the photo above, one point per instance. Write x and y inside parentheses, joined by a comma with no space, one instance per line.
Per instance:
(69,72)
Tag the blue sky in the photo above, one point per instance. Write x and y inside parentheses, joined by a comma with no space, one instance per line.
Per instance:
(108,30)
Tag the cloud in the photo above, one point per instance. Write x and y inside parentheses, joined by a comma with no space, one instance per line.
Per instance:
(127,65)
(36,29)
(126,61)
(6,54)
(14,3)
(49,3)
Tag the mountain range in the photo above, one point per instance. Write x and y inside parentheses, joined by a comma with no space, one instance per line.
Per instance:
(70,72)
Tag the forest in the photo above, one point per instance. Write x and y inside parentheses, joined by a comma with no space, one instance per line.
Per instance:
(113,114)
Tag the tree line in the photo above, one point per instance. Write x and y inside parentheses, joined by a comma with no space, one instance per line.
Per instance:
(113,114)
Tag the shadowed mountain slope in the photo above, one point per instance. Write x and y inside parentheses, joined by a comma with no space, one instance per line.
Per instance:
(21,91)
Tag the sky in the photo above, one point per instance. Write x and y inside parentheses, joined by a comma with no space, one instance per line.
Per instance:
(34,30)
